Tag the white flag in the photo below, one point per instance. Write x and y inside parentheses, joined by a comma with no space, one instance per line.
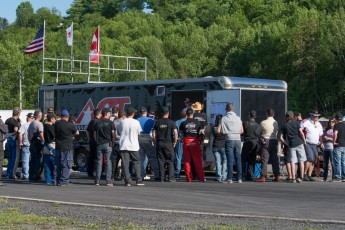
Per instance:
(70,35)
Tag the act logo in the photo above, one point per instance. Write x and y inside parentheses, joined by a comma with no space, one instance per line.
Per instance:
(86,115)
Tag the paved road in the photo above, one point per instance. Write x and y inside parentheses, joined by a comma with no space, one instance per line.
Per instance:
(309,200)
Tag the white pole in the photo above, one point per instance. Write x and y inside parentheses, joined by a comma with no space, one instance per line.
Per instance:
(72,53)
(44,47)
(99,56)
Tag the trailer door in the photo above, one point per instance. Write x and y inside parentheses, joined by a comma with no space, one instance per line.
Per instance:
(216,102)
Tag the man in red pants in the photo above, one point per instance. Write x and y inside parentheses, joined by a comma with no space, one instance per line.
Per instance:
(190,129)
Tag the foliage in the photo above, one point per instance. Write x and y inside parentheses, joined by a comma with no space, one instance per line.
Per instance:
(301,42)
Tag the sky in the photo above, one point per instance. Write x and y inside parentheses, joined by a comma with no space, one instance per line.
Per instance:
(8,7)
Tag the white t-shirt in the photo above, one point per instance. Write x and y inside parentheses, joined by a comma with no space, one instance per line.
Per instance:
(129,130)
(313,131)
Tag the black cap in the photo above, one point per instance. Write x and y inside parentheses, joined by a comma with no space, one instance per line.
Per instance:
(252,113)
(143,109)
(189,111)
(131,110)
(105,111)
(339,116)
(31,115)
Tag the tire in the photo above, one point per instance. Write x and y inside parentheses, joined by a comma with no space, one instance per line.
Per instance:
(81,159)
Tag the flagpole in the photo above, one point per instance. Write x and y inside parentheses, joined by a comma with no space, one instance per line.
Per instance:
(72,53)
(98,47)
(44,47)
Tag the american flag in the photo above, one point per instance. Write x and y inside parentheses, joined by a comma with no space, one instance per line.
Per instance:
(37,44)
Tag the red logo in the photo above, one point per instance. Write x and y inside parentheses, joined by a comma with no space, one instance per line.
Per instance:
(86,115)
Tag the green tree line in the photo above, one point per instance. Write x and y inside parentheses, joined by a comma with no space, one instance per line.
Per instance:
(301,42)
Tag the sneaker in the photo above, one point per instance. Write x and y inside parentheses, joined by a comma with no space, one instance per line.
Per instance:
(343,180)
(336,180)
(261,179)
(311,179)
(294,181)
(306,178)
(146,178)
(110,184)
(128,185)
(299,180)
(97,183)
(140,183)
(240,181)
(229,181)
(171,180)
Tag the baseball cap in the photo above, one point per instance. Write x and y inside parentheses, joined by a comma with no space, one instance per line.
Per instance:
(64,113)
(315,113)
(31,115)
(189,111)
(339,116)
(143,109)
(50,110)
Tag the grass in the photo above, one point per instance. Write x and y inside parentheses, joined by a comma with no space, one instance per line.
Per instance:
(12,218)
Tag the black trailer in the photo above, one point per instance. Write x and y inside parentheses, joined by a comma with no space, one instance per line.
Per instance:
(214,92)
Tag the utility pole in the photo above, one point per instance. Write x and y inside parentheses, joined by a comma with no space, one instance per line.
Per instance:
(21,78)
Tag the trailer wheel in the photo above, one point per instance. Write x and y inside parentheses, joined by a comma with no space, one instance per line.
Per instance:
(81,159)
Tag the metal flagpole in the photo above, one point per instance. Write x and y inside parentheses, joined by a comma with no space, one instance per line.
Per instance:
(44,47)
(98,50)
(72,53)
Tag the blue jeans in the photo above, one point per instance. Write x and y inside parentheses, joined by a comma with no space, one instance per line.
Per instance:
(178,158)
(49,168)
(221,162)
(64,160)
(107,150)
(327,157)
(12,147)
(25,161)
(233,152)
(339,163)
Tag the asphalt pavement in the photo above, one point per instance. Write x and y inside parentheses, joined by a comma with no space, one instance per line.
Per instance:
(315,201)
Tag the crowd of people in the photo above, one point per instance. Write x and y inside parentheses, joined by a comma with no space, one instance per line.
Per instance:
(127,141)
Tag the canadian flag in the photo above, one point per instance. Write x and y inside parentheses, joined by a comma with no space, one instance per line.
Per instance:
(70,35)
(94,49)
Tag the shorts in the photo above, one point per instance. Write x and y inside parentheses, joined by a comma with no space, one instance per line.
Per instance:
(297,154)
(311,152)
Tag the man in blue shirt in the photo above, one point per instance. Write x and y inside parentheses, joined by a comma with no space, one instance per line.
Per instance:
(147,150)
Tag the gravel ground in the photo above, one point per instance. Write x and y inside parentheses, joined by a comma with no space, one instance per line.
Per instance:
(103,218)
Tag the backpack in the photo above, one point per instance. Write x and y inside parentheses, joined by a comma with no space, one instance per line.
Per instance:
(3,131)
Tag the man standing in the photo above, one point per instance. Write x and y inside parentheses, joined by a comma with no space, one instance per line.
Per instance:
(13,125)
(129,130)
(24,144)
(147,151)
(162,133)
(64,133)
(190,129)
(104,135)
(3,132)
(36,137)
(314,132)
(339,149)
(232,128)
(269,146)
(251,145)
(92,143)
(178,146)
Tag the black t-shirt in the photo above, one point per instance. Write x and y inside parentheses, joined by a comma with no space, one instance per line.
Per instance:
(164,129)
(11,124)
(49,133)
(104,128)
(251,130)
(190,127)
(64,131)
(290,131)
(201,117)
(90,127)
(340,127)
(219,138)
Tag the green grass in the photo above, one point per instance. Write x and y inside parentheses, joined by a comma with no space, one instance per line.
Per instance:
(12,218)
